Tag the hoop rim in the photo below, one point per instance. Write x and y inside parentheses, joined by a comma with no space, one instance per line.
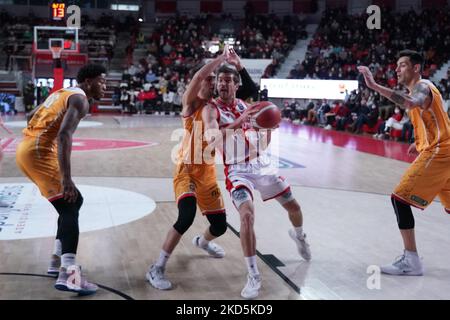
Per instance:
(56,52)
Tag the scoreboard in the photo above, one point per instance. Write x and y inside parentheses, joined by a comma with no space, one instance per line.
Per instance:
(58,11)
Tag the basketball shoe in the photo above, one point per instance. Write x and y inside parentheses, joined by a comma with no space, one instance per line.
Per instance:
(408,264)
(71,279)
(157,279)
(251,289)
(302,245)
(213,249)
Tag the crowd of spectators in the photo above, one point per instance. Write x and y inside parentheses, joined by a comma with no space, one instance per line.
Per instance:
(178,44)
(342,42)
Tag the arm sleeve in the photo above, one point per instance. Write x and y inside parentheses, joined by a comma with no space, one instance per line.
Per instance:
(248,88)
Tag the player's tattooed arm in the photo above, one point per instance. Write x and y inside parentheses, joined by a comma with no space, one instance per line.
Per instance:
(420,97)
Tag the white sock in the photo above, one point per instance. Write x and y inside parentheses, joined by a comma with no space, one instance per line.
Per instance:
(162,260)
(251,265)
(202,242)
(57,248)
(67,259)
(411,254)
(299,232)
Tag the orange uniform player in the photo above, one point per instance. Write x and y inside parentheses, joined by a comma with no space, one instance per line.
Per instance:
(429,175)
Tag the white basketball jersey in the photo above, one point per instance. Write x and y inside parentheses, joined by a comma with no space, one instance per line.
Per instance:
(237,155)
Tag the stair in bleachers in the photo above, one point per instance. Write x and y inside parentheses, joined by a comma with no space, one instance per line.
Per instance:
(113,80)
(441,73)
(298,53)
(9,87)
(119,59)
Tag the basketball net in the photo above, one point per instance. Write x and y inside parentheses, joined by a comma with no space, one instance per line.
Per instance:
(56,52)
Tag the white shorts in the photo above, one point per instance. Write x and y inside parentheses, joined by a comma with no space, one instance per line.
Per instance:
(269,186)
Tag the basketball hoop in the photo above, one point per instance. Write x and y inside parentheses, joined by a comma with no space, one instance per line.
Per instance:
(56,52)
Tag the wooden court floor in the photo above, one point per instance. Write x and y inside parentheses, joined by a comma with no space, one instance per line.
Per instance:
(344,194)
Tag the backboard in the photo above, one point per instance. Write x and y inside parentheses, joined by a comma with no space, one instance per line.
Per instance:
(45,36)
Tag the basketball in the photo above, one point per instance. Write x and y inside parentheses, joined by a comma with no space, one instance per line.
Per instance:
(268,116)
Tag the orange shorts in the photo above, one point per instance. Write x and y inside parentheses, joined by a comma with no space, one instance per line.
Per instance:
(39,162)
(427,177)
(199,181)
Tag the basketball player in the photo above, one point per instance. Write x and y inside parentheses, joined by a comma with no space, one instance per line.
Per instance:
(44,157)
(193,183)
(429,175)
(244,175)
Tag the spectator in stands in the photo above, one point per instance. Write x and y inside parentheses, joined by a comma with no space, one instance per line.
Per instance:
(286,111)
(371,118)
(167,105)
(124,100)
(338,112)
(45,90)
(359,115)
(28,96)
(264,94)
(396,122)
(116,96)
(126,77)
(303,112)
(177,99)
(140,100)
(321,113)
(407,132)
(150,77)
(7,104)
(39,93)
(312,114)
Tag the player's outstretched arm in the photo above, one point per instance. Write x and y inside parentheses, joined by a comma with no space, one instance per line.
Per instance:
(213,134)
(420,96)
(77,109)
(248,87)
(192,90)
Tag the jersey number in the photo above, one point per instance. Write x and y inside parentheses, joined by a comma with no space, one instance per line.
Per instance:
(50,100)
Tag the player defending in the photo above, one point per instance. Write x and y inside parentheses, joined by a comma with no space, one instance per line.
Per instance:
(194,183)
(44,157)
(429,175)
(244,175)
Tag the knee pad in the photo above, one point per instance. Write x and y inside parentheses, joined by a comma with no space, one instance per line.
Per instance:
(187,208)
(218,223)
(405,218)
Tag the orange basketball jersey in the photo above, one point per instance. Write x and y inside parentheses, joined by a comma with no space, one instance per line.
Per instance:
(36,155)
(195,173)
(431,126)
(47,120)
(194,147)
